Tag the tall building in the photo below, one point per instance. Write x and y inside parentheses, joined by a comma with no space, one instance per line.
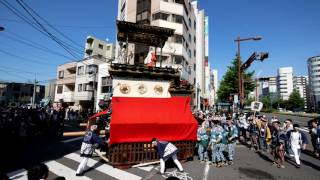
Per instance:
(314,82)
(300,83)
(285,82)
(186,50)
(265,86)
(213,86)
(65,83)
(100,48)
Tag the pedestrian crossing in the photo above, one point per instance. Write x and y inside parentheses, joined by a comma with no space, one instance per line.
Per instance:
(60,167)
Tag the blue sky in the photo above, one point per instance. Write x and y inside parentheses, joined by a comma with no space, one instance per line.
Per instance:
(290,30)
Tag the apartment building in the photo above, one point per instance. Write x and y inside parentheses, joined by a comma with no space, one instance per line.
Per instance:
(87,81)
(94,46)
(186,50)
(285,82)
(65,83)
(314,82)
(300,83)
(19,93)
(104,88)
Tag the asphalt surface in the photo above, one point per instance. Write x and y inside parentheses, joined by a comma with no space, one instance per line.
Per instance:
(62,158)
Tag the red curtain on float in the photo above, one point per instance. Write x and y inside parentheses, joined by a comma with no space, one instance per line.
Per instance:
(141,119)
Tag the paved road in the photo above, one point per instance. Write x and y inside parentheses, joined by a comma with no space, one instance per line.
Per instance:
(62,160)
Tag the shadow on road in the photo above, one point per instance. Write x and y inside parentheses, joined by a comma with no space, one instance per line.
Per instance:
(265,157)
(255,173)
(314,166)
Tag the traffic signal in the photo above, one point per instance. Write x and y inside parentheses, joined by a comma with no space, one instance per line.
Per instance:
(263,56)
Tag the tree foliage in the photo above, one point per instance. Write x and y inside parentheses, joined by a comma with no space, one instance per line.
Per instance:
(295,102)
(230,82)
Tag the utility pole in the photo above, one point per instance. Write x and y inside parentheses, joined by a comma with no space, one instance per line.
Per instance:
(34,90)
(94,90)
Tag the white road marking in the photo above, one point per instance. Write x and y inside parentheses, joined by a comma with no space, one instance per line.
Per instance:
(206,171)
(146,168)
(106,169)
(62,170)
(20,174)
(71,140)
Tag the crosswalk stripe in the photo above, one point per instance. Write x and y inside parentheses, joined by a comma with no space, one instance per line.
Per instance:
(146,168)
(20,174)
(105,168)
(62,170)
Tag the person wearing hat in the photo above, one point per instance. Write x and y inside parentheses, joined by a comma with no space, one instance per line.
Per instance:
(253,133)
(166,150)
(216,144)
(297,141)
(91,141)
(264,133)
(314,132)
(231,131)
(203,137)
(277,144)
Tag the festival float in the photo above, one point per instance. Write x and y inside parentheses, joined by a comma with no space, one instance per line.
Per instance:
(147,102)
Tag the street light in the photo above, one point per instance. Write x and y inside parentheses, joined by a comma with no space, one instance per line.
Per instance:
(241,88)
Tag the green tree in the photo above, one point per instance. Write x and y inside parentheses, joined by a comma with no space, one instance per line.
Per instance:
(230,82)
(295,102)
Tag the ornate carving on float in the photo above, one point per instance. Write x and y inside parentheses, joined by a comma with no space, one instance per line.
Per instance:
(142,89)
(125,89)
(158,89)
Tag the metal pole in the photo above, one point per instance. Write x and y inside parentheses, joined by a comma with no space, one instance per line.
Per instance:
(34,91)
(239,72)
(94,90)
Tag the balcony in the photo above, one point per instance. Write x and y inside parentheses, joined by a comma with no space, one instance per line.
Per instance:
(67,79)
(68,96)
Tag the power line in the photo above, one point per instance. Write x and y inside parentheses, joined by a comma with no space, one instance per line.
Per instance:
(21,58)
(51,36)
(13,74)
(62,34)
(34,45)
(66,26)
(22,71)
(38,28)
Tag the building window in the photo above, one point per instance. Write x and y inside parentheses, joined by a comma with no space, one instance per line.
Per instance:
(194,53)
(195,25)
(190,23)
(189,53)
(100,46)
(177,18)
(79,87)
(59,89)
(80,70)
(108,48)
(160,15)
(194,39)
(178,59)
(194,67)
(178,38)
(106,85)
(189,38)
(92,68)
(61,74)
